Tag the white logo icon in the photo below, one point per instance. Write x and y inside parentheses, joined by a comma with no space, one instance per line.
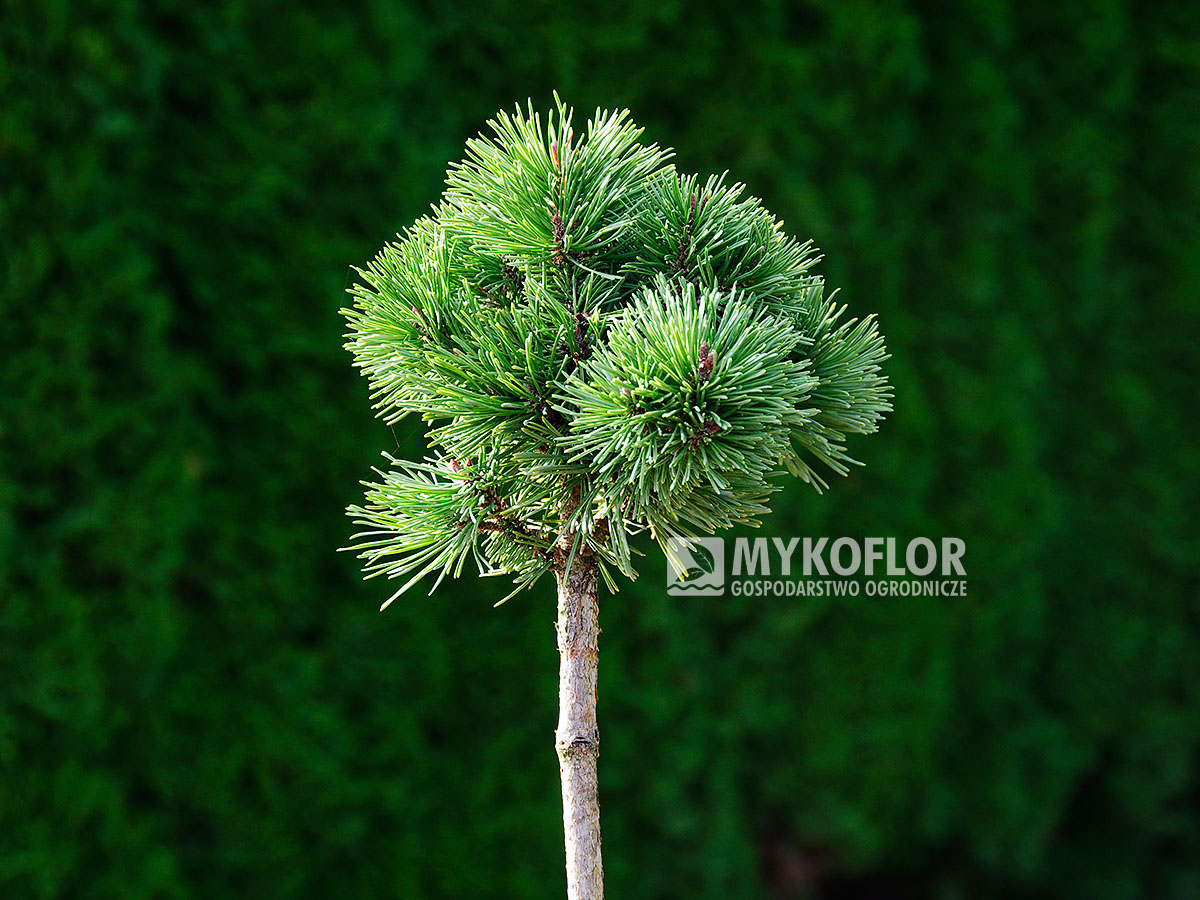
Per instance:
(695,567)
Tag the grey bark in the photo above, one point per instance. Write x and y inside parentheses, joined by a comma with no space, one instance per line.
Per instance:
(578,735)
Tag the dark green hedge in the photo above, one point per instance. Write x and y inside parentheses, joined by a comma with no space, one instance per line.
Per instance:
(198,697)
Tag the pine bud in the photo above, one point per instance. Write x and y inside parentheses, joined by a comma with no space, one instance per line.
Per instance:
(704,368)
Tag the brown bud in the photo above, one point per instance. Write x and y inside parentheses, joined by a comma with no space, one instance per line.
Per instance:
(704,366)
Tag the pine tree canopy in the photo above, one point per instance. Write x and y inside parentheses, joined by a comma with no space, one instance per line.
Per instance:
(600,345)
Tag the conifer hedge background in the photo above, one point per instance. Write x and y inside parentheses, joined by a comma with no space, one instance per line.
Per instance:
(198,696)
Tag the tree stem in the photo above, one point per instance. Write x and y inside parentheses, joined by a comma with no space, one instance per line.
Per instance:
(578,735)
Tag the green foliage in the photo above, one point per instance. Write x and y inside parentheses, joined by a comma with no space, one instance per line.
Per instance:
(689,407)
(198,697)
(602,345)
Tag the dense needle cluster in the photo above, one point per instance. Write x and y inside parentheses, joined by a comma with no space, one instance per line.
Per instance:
(599,345)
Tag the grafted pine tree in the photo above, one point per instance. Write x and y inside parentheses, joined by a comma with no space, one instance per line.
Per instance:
(599,346)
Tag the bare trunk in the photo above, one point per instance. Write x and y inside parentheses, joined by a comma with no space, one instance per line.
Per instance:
(578,735)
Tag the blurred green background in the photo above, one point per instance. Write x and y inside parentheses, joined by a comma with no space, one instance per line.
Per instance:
(198,695)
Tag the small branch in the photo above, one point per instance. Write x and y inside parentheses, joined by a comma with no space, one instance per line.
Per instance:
(516,278)
(498,517)
(680,265)
(560,233)
(706,433)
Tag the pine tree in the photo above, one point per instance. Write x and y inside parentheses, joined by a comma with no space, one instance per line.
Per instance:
(599,346)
